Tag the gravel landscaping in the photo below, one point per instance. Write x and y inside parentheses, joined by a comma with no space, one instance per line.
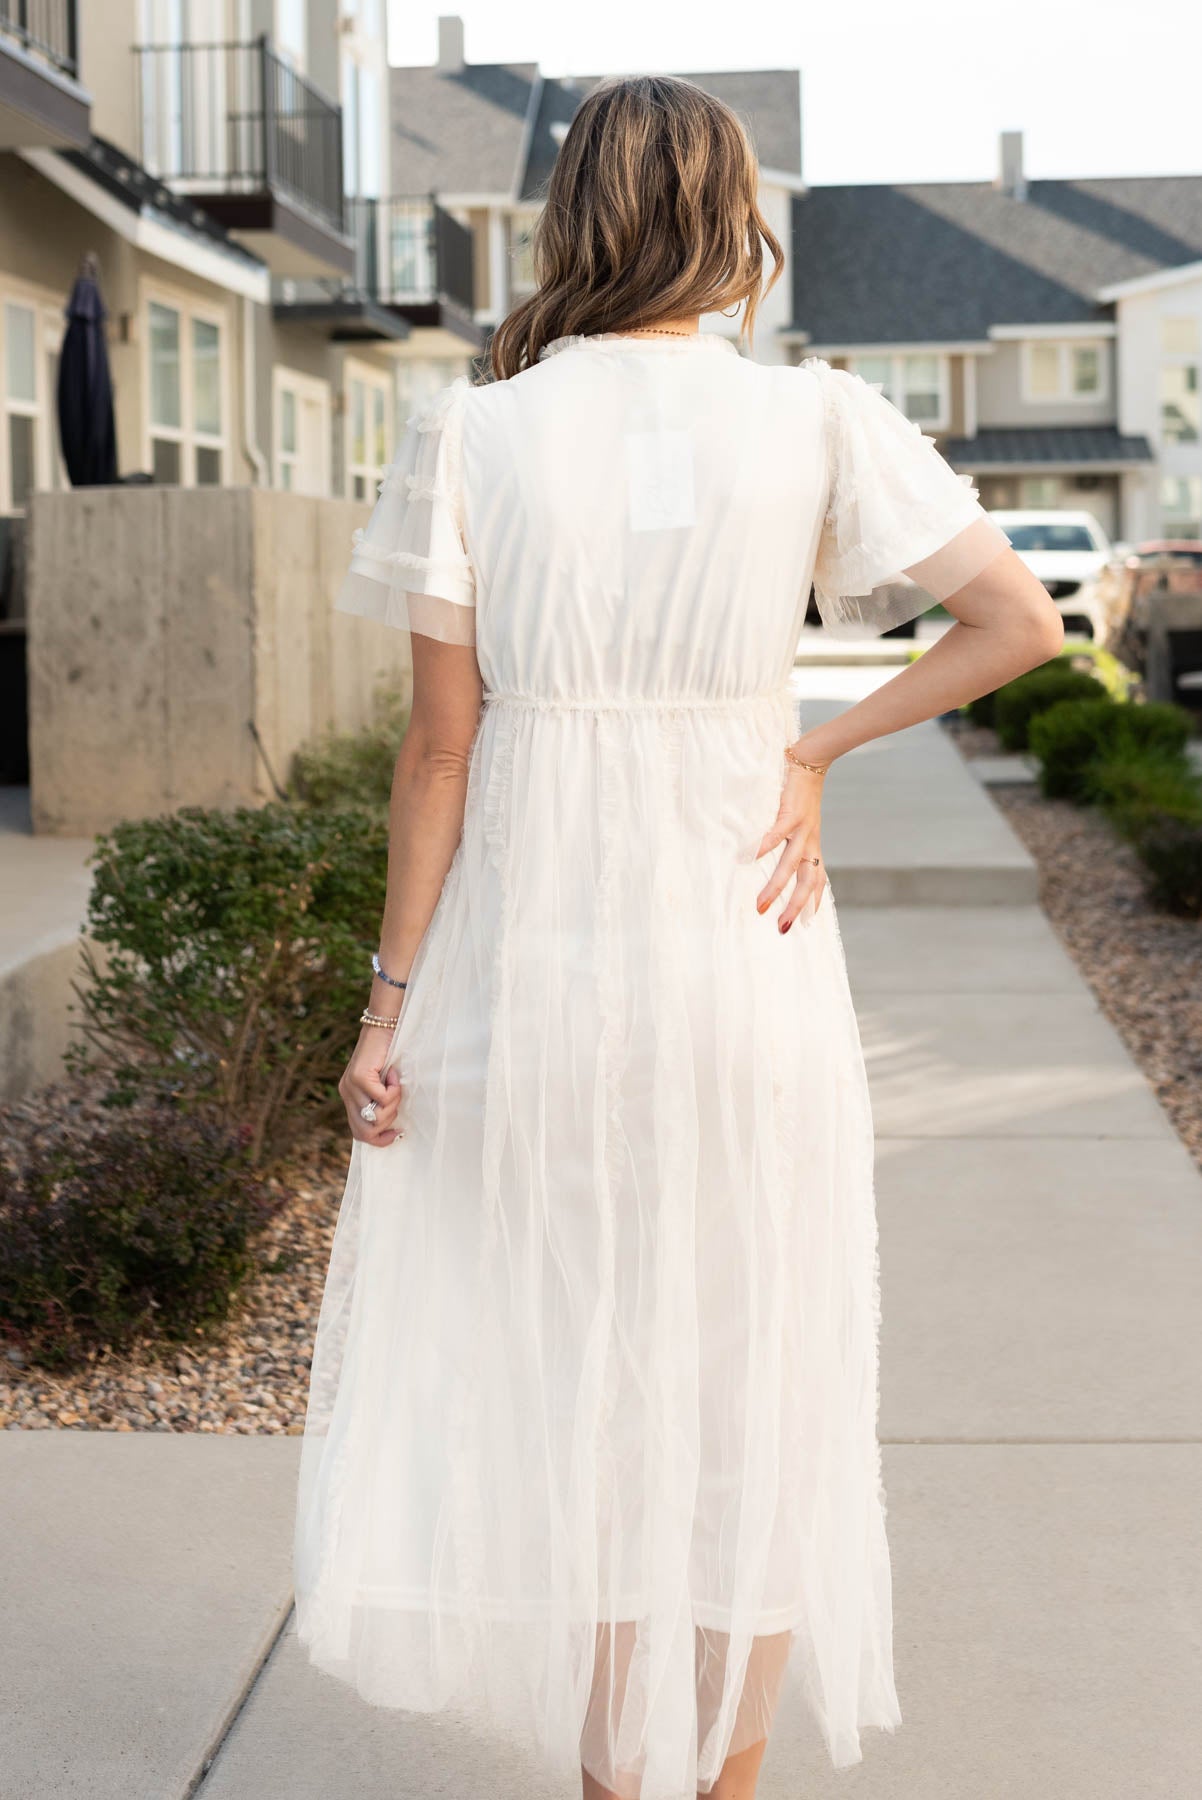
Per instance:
(1144,966)
(251,1377)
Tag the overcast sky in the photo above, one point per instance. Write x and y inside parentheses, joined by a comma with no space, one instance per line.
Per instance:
(891,91)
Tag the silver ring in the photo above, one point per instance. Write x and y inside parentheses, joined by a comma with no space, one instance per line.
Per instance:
(368,1112)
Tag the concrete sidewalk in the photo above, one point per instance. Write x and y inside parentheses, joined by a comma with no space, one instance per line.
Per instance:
(1041,1250)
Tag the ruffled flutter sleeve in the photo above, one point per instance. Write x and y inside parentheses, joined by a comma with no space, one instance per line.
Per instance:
(896,508)
(410,566)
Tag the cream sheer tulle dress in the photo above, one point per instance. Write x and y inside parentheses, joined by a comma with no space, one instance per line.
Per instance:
(590,1457)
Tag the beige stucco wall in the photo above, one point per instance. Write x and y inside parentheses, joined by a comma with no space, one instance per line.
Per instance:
(163,624)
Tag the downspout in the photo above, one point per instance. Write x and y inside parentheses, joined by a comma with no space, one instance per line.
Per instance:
(250,443)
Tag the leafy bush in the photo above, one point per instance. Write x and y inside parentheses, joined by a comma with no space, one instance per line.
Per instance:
(146,1224)
(1118,680)
(981,710)
(1171,851)
(1079,658)
(1021,701)
(227,962)
(1075,734)
(353,770)
(1136,787)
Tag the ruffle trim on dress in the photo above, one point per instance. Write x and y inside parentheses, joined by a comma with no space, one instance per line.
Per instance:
(407,559)
(623,340)
(434,414)
(882,513)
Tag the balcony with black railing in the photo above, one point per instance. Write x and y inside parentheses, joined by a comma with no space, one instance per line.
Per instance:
(412,272)
(254,143)
(410,253)
(41,99)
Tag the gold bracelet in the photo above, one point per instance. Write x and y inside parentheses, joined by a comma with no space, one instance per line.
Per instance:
(371,1018)
(814,768)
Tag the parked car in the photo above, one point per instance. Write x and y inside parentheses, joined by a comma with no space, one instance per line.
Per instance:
(1067,550)
(1173,565)
(1151,598)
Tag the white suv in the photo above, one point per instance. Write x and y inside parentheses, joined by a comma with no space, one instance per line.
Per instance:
(1067,550)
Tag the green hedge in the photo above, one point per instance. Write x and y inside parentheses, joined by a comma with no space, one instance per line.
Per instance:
(1171,850)
(1022,701)
(1138,787)
(232,956)
(1075,734)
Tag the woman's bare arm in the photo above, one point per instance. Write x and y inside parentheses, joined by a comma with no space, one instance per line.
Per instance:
(1006,624)
(425,821)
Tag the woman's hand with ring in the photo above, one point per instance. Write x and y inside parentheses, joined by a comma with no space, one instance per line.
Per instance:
(797,831)
(365,1084)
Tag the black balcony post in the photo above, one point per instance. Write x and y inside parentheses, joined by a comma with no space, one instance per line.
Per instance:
(268,110)
(73,34)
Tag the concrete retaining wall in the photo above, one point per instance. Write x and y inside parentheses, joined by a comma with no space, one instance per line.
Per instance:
(183,644)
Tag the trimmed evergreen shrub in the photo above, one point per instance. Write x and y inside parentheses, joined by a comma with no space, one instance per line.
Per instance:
(1074,734)
(1171,852)
(146,1225)
(1023,700)
(228,959)
(1136,787)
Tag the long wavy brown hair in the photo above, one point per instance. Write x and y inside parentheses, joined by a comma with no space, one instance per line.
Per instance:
(650,214)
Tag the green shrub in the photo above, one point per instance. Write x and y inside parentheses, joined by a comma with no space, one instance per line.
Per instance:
(230,961)
(353,769)
(146,1225)
(1074,734)
(981,710)
(1020,702)
(1118,680)
(1171,852)
(1136,786)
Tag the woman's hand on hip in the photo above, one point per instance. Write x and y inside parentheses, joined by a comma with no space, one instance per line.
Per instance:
(800,873)
(365,1082)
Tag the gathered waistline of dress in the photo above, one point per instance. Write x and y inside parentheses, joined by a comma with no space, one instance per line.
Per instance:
(654,703)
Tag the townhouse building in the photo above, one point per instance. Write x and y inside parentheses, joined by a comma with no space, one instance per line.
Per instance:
(1048,334)
(217,157)
(298,243)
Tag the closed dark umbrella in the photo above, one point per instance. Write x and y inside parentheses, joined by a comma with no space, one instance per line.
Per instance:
(85,387)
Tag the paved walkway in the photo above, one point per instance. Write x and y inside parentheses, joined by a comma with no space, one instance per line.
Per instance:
(1041,1230)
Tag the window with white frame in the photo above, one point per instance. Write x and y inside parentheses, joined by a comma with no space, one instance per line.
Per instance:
(185,385)
(368,429)
(1181,506)
(521,255)
(1180,380)
(1039,490)
(30,335)
(290,33)
(916,382)
(302,432)
(1064,369)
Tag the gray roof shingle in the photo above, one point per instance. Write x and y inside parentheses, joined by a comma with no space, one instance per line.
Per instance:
(1078,445)
(463,131)
(767,100)
(943,261)
(460,132)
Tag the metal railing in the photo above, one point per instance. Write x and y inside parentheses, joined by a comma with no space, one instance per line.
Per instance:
(236,118)
(47,28)
(410,251)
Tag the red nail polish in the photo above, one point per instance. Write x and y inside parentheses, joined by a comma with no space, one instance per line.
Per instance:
(785,924)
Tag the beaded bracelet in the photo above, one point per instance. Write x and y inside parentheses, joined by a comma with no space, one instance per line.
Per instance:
(813,768)
(371,1018)
(384,976)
